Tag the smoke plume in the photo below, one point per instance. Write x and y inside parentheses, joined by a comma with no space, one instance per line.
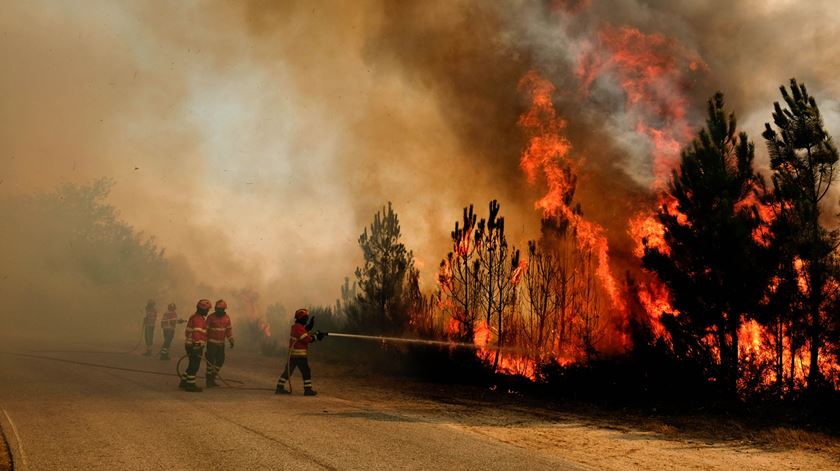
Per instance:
(255,139)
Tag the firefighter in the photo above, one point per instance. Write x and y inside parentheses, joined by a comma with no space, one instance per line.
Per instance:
(196,337)
(168,323)
(218,329)
(301,337)
(149,326)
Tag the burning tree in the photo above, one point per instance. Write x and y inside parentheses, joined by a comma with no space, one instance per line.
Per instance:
(713,265)
(561,293)
(459,276)
(546,313)
(803,159)
(500,266)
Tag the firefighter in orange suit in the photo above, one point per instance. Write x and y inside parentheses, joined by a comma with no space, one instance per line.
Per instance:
(196,337)
(301,336)
(149,322)
(218,329)
(167,324)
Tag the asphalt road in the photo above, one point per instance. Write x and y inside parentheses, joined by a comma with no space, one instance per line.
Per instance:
(63,415)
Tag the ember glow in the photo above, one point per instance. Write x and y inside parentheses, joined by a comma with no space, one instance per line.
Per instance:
(512,363)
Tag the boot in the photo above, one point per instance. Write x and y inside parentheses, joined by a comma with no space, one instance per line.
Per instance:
(192,387)
(164,356)
(282,390)
(183,384)
(148,352)
(211,382)
(309,392)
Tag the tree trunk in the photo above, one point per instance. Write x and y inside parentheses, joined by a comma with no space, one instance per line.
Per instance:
(734,362)
(779,360)
(814,374)
(793,349)
(815,337)
(723,357)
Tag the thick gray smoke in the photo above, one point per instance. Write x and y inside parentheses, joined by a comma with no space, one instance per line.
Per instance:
(255,139)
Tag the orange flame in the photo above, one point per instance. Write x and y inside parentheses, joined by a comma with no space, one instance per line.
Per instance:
(509,363)
(650,68)
(518,272)
(547,155)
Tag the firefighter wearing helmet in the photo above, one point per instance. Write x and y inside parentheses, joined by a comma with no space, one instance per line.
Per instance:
(219,329)
(149,322)
(167,324)
(301,336)
(196,337)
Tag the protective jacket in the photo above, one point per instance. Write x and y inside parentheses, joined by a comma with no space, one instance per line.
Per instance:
(169,320)
(196,331)
(151,317)
(218,329)
(299,340)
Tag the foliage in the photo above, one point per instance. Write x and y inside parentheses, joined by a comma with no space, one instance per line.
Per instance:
(382,280)
(714,264)
(803,158)
(69,257)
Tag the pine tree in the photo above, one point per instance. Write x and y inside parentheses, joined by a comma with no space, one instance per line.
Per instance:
(383,278)
(803,159)
(713,269)
(499,263)
(460,274)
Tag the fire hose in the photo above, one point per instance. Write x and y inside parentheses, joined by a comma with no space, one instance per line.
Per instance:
(227,382)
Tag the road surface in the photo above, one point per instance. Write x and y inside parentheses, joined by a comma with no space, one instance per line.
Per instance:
(73,411)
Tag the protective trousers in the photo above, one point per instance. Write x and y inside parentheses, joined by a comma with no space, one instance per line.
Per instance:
(167,341)
(149,333)
(215,358)
(296,362)
(194,354)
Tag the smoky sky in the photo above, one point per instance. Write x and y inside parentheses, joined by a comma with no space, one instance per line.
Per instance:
(256,139)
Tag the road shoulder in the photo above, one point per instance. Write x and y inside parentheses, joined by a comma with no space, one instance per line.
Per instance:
(7,438)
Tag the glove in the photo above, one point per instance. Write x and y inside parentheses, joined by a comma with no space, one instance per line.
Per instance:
(320,335)
(310,324)
(231,342)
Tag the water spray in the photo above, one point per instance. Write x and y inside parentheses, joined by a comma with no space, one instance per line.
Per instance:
(441,343)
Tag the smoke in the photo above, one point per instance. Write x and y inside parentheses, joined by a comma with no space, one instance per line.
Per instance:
(255,139)
(477,51)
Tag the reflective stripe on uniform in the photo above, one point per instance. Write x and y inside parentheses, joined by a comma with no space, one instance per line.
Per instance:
(298,352)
